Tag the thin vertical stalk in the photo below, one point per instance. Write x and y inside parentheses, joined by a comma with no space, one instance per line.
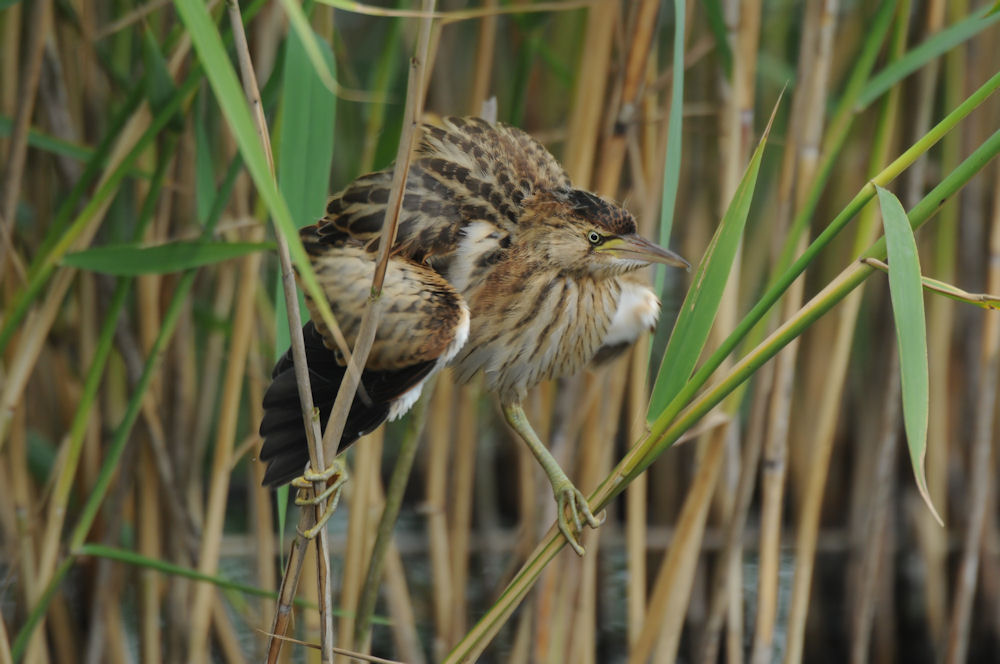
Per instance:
(835,375)
(361,529)
(201,597)
(41,16)
(636,513)
(461,501)
(585,120)
(980,461)
(671,590)
(625,115)
(392,503)
(208,557)
(814,91)
(940,333)
(732,551)
(877,511)
(485,45)
(438,454)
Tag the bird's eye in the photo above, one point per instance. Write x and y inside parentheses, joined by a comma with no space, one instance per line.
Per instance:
(595,237)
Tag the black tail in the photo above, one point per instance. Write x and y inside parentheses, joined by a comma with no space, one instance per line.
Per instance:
(285,448)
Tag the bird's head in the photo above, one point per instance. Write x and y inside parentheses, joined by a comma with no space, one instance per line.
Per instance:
(583,233)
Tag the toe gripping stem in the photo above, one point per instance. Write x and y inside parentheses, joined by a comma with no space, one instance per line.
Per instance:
(573,510)
(334,477)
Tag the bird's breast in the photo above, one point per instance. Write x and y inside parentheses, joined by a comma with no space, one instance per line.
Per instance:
(529,324)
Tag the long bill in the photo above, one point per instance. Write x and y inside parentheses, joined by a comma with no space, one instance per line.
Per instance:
(636,247)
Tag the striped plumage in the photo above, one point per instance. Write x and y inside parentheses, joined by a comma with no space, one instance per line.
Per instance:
(500,265)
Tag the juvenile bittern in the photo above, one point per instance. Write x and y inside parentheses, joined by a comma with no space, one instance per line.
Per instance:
(499,265)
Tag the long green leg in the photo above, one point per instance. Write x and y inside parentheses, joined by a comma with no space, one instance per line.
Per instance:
(567,495)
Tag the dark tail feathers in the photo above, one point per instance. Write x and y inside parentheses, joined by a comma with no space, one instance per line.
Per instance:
(285,448)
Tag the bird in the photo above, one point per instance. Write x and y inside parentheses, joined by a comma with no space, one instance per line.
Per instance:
(500,266)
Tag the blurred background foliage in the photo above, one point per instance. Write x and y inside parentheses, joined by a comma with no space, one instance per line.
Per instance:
(789,529)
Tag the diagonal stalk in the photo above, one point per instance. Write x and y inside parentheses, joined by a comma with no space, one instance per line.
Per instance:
(668,428)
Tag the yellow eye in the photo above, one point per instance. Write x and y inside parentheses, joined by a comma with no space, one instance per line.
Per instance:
(595,237)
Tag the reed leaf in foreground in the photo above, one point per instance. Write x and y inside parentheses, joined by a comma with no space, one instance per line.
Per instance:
(132,259)
(220,73)
(703,298)
(911,333)
(666,430)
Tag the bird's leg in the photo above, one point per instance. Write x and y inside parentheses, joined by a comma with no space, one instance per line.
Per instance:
(567,495)
(334,476)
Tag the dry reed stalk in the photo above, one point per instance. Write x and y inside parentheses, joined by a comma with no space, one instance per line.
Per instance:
(636,512)
(835,356)
(9,79)
(23,500)
(461,500)
(736,132)
(400,604)
(981,480)
(575,608)
(665,612)
(362,508)
(265,546)
(208,555)
(485,47)
(366,334)
(579,159)
(597,464)
(732,552)
(806,144)
(933,544)
(877,516)
(543,512)
(625,114)
(38,31)
(381,529)
(585,118)
(39,321)
(149,545)
(520,649)
(225,633)
(115,638)
(310,623)
(62,628)
(558,622)
(438,453)
(317,452)
(211,364)
(243,317)
(940,334)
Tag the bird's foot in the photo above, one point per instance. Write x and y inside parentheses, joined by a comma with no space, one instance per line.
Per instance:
(334,477)
(574,512)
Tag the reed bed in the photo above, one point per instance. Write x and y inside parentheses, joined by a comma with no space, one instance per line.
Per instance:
(770,486)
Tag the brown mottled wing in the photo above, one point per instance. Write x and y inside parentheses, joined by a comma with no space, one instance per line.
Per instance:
(422,315)
(468,170)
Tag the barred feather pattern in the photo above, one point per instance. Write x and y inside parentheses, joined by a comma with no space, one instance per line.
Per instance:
(495,268)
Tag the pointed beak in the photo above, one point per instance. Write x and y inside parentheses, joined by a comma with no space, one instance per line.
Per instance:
(636,247)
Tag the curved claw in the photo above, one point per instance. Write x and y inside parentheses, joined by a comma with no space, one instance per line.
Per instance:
(571,498)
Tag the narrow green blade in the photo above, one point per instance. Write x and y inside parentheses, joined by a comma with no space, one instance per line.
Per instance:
(132,260)
(305,148)
(702,301)
(229,94)
(204,171)
(933,47)
(907,294)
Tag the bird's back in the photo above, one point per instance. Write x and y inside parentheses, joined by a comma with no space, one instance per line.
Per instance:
(466,171)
